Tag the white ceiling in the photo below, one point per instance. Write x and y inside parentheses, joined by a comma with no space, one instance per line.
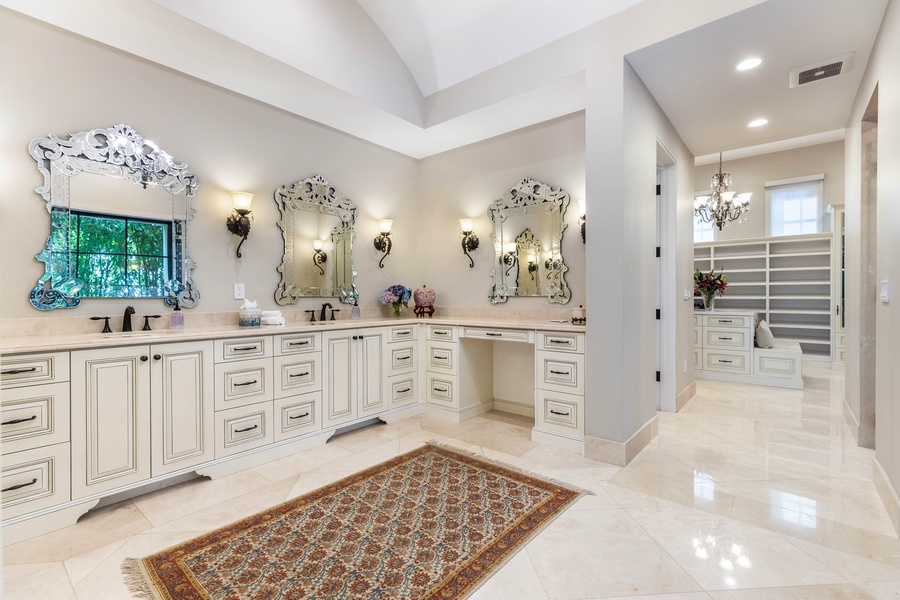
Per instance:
(425,76)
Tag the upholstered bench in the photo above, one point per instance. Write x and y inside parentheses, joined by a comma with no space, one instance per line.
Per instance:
(780,365)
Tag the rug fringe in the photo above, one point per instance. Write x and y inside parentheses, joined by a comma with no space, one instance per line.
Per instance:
(135,580)
(506,465)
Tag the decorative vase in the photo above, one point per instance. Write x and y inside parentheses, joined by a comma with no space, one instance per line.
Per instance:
(424,297)
(397,306)
(708,300)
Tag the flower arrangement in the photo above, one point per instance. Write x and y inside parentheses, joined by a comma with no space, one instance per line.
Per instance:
(710,285)
(397,296)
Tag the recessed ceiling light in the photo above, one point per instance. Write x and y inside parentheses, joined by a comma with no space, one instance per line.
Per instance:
(757,122)
(750,63)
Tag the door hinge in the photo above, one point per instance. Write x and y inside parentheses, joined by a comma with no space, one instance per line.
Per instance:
(658,189)
(657,314)
(658,252)
(657,376)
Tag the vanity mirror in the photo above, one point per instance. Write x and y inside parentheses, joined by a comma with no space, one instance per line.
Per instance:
(119,212)
(528,224)
(316,222)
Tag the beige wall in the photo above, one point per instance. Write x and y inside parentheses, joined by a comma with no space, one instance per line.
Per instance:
(750,175)
(881,71)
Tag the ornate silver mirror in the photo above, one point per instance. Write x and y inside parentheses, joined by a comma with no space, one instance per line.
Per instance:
(528,228)
(316,222)
(119,213)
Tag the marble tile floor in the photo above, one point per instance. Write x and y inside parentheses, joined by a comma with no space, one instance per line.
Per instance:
(748,493)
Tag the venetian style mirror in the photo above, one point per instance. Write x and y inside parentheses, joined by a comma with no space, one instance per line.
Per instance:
(119,213)
(316,222)
(528,228)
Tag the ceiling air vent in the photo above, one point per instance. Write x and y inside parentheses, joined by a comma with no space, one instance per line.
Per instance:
(823,69)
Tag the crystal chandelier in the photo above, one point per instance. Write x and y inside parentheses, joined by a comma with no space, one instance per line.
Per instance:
(722,205)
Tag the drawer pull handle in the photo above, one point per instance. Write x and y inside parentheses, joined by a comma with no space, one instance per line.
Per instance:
(404,332)
(19,487)
(492,334)
(442,356)
(560,372)
(19,371)
(299,374)
(402,358)
(303,343)
(555,412)
(726,361)
(246,383)
(246,429)
(441,333)
(245,348)
(725,321)
(306,414)
(724,338)
(566,342)
(437,389)
(403,391)
(15,421)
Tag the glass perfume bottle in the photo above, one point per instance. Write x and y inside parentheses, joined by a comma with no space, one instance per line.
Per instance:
(176,319)
(354,312)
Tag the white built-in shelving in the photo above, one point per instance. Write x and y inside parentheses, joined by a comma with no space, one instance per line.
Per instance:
(787,280)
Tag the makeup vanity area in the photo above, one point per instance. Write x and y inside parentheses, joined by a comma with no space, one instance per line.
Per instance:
(91,417)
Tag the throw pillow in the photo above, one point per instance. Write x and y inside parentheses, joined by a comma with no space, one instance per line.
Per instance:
(764,337)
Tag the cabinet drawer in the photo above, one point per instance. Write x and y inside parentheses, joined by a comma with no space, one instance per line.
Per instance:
(31,369)
(723,321)
(446,333)
(401,358)
(298,374)
(560,413)
(243,428)
(698,358)
(560,342)
(243,383)
(442,390)
(402,333)
(727,339)
(34,416)
(294,343)
(402,389)
(298,415)
(35,479)
(724,361)
(779,365)
(698,320)
(493,333)
(698,337)
(441,357)
(560,372)
(243,348)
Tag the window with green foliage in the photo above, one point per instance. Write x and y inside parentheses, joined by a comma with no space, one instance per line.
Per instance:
(120,256)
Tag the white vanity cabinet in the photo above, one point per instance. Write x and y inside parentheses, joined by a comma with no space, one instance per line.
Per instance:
(110,418)
(298,385)
(34,434)
(559,395)
(401,360)
(352,360)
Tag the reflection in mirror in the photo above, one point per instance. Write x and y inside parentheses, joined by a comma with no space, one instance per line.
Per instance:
(524,265)
(317,226)
(119,212)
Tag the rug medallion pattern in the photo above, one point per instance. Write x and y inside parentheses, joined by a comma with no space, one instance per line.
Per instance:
(431,523)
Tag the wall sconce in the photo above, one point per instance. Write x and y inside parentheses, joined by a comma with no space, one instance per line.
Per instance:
(469,240)
(582,218)
(532,265)
(509,257)
(319,255)
(239,221)
(550,265)
(383,239)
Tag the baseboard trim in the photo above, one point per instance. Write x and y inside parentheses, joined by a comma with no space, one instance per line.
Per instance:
(852,423)
(686,394)
(888,495)
(514,408)
(620,453)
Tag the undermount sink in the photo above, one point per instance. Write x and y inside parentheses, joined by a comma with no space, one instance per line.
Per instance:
(136,335)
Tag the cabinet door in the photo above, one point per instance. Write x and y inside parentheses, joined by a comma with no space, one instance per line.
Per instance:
(370,345)
(181,406)
(339,365)
(110,415)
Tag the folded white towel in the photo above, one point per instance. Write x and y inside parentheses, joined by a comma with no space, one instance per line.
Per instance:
(272,320)
(271,313)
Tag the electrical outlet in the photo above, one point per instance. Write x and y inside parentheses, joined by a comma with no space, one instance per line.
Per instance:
(239,291)
(685,366)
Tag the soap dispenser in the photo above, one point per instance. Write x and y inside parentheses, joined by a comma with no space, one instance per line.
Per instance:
(176,320)
(354,312)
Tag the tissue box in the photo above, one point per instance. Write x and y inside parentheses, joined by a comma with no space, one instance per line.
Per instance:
(249,317)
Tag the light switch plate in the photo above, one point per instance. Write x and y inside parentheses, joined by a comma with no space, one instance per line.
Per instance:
(687,294)
(239,291)
(885,294)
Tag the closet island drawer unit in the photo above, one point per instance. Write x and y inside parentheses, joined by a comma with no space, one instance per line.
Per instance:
(723,343)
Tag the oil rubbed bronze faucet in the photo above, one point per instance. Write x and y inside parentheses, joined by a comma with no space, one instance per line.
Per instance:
(126,321)
(324,306)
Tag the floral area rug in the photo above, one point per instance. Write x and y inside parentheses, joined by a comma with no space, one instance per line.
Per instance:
(431,523)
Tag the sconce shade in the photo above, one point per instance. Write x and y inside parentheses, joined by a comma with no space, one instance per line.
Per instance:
(511,247)
(466,225)
(384,225)
(317,244)
(242,201)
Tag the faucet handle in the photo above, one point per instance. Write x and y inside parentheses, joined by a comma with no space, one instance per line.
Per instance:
(312,315)
(106,328)
(147,318)
(334,310)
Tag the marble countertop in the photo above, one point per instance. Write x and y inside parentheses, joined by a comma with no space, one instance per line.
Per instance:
(48,343)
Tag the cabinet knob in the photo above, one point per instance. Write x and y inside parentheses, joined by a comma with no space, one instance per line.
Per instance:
(157,357)
(144,358)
